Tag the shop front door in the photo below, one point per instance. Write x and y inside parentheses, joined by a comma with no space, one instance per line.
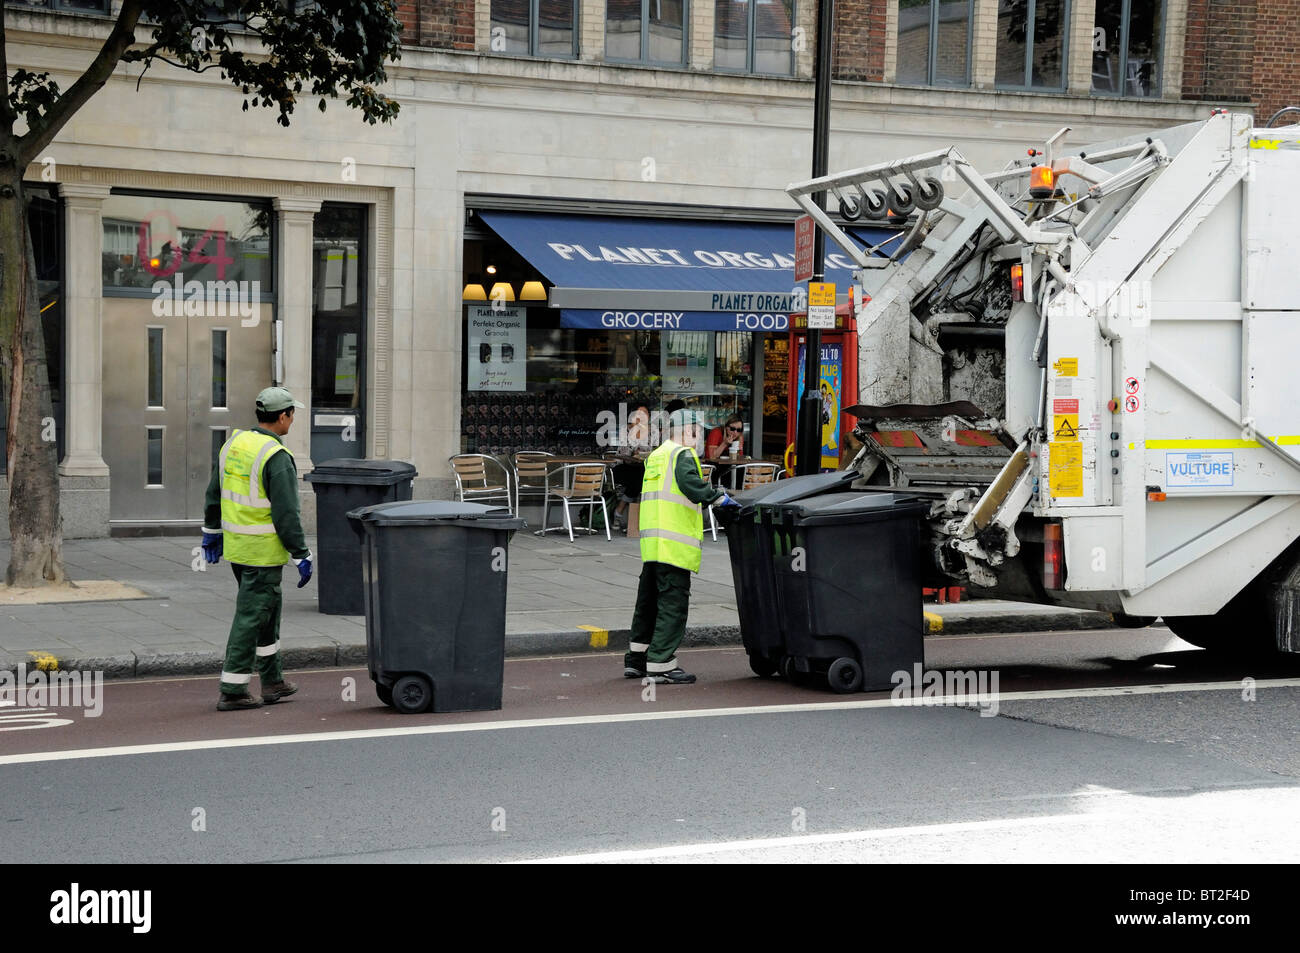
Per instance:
(174,387)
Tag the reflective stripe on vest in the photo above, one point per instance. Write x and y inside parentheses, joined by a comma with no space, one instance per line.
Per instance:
(672,527)
(249,534)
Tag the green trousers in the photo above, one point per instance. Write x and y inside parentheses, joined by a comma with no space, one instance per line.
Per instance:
(255,632)
(663,598)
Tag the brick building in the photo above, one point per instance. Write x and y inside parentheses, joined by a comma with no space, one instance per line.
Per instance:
(366,246)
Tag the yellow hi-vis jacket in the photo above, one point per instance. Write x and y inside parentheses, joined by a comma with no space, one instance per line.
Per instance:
(249,537)
(672,527)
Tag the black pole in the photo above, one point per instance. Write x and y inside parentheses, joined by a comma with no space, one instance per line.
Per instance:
(809,446)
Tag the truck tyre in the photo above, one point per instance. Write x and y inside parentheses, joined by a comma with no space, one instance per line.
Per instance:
(1126,621)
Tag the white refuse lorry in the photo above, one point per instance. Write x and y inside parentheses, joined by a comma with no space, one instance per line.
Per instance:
(1090,361)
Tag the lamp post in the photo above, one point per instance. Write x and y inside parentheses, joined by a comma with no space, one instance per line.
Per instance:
(809,446)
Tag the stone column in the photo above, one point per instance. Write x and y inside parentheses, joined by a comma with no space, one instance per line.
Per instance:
(294,276)
(591,24)
(83,296)
(1079,62)
(699,52)
(984,45)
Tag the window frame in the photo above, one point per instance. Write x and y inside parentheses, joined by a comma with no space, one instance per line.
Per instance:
(1027,72)
(1125,27)
(56,6)
(644,59)
(932,51)
(751,21)
(534,32)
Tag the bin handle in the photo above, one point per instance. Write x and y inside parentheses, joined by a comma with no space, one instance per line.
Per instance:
(791,458)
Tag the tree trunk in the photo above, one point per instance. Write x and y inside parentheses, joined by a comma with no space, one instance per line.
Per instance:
(35,525)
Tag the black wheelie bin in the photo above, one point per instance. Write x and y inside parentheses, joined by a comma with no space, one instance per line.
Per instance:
(848,586)
(435,602)
(749,541)
(341,486)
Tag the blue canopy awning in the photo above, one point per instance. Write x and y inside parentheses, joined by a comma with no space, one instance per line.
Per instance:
(649,265)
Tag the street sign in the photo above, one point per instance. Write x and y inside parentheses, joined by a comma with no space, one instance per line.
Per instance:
(803,248)
(821,304)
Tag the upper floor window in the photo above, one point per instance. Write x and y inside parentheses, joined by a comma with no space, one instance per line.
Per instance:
(1126,47)
(646,31)
(934,41)
(754,36)
(1032,43)
(535,27)
(74,6)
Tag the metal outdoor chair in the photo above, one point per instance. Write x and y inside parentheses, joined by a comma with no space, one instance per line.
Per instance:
(751,475)
(532,475)
(707,469)
(473,484)
(583,485)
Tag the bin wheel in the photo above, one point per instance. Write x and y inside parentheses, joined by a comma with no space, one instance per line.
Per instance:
(845,676)
(412,694)
(385,693)
(786,667)
(762,666)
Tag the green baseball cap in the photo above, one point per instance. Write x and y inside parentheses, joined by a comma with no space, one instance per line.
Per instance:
(276,398)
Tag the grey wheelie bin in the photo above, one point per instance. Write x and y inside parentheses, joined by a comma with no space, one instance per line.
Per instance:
(749,539)
(340,486)
(434,576)
(848,586)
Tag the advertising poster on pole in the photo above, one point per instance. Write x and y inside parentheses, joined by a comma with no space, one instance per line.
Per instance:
(832,386)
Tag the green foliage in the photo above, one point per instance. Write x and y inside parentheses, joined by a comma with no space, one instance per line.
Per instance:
(32,94)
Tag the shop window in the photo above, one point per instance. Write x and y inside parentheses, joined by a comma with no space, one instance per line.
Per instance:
(535,27)
(646,31)
(225,246)
(1032,40)
(339,268)
(1126,47)
(754,36)
(934,42)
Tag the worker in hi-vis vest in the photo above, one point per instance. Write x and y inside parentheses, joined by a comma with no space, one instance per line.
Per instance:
(251,517)
(672,536)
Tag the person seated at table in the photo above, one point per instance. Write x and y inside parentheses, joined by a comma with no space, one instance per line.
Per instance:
(634,446)
(727,441)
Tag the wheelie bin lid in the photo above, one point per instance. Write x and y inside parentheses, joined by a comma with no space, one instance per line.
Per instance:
(862,507)
(435,512)
(795,488)
(362,472)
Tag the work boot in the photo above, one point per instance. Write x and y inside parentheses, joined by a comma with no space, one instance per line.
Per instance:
(237,702)
(634,665)
(675,677)
(272,692)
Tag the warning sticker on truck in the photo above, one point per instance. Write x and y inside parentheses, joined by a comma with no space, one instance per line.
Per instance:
(1065,468)
(1066,366)
(1065,426)
(1198,469)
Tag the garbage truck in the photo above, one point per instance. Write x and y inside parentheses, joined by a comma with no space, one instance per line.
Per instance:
(1087,363)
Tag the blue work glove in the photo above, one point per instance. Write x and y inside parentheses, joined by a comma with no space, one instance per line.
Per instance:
(213,544)
(725,500)
(304,571)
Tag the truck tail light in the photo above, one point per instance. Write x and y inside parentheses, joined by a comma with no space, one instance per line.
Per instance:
(1017,282)
(1053,557)
(1042,182)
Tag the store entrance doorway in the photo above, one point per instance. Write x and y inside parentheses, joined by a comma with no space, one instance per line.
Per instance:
(174,387)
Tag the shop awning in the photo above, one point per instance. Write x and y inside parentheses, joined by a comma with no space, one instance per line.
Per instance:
(667,274)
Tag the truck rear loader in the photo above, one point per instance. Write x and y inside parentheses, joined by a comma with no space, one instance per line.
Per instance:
(1087,362)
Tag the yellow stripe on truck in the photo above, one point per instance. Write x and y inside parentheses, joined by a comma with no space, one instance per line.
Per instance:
(1203,444)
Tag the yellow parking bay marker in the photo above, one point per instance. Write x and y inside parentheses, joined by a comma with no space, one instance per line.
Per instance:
(44,661)
(599,636)
(934,621)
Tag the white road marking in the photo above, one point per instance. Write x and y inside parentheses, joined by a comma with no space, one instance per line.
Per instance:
(807,840)
(934,702)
